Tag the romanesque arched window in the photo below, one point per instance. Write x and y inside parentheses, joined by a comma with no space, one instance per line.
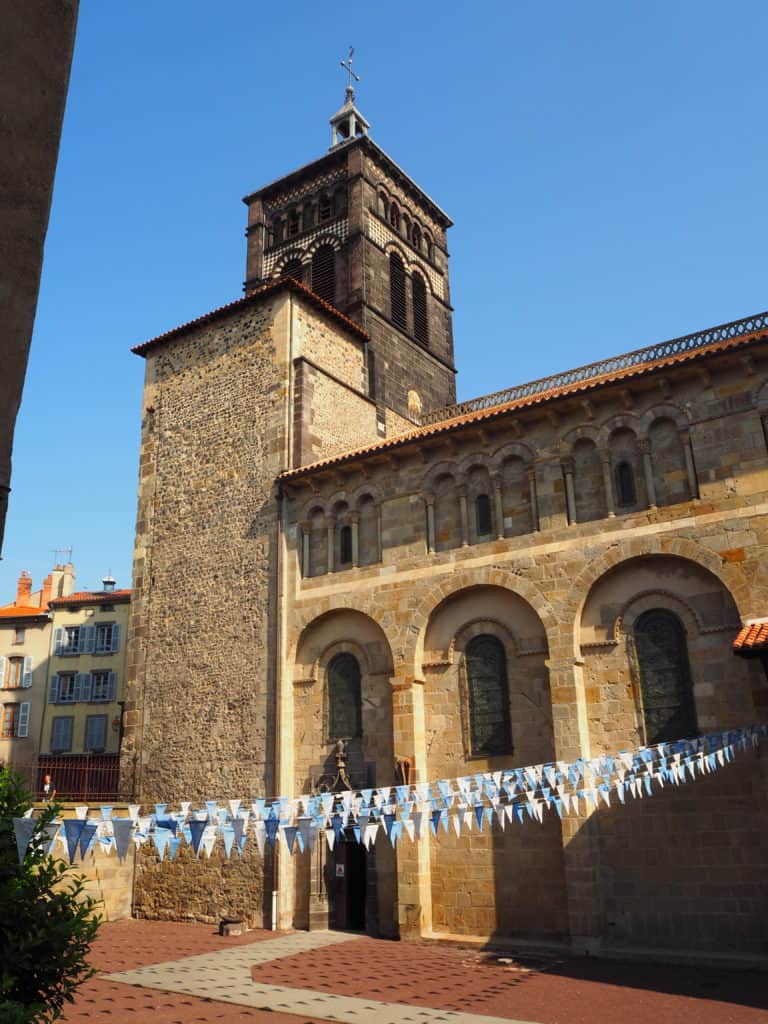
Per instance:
(294,269)
(277,230)
(489,730)
(665,677)
(624,476)
(324,207)
(416,237)
(394,216)
(345,720)
(345,545)
(397,290)
(420,315)
(324,273)
(294,223)
(483,515)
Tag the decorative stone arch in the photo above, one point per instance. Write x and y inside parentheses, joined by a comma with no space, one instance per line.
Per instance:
(439,592)
(479,627)
(511,450)
(665,411)
(397,247)
(326,238)
(445,468)
(306,666)
(583,433)
(622,421)
(295,253)
(364,490)
(463,466)
(311,506)
(729,575)
(644,601)
(337,498)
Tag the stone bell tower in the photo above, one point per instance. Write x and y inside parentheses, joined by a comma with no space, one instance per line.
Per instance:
(358,231)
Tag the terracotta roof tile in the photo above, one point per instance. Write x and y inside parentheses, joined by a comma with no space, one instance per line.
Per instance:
(277,285)
(538,398)
(16,611)
(752,639)
(93,597)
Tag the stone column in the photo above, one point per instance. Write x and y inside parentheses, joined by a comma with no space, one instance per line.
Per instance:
(534,499)
(429,500)
(414,895)
(354,519)
(330,523)
(644,447)
(610,504)
(498,504)
(379,535)
(570,496)
(306,528)
(690,468)
(462,492)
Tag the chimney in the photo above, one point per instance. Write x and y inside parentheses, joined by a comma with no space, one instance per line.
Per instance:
(68,580)
(45,593)
(24,588)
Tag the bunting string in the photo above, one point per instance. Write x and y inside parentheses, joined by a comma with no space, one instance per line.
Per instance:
(459,805)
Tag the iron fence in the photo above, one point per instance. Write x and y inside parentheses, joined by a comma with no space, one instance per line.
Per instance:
(86,777)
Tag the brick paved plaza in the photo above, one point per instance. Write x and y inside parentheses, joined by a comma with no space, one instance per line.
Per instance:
(172,973)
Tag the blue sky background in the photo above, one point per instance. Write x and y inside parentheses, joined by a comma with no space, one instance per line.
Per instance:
(605,164)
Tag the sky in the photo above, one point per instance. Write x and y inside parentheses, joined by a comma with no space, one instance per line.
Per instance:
(604,163)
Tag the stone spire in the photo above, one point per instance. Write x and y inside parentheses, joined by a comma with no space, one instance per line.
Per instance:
(348,123)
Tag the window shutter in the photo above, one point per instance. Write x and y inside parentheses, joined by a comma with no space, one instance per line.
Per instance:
(23,726)
(115,638)
(111,692)
(53,693)
(26,680)
(78,688)
(59,640)
(87,639)
(3,664)
(87,682)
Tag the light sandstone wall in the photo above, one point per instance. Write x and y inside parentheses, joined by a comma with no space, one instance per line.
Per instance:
(684,870)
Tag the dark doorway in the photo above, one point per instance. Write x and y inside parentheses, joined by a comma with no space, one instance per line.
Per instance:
(348,885)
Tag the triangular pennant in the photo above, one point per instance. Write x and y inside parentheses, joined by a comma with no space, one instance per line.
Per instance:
(160,810)
(170,823)
(50,834)
(23,829)
(106,813)
(330,836)
(133,811)
(123,832)
(228,835)
(370,834)
(161,837)
(81,812)
(238,826)
(211,807)
(234,807)
(196,829)
(271,826)
(209,839)
(174,842)
(260,831)
(289,834)
(73,829)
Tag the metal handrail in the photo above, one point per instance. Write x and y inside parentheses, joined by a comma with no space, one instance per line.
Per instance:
(592,371)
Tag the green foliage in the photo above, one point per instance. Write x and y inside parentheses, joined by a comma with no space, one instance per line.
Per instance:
(47,923)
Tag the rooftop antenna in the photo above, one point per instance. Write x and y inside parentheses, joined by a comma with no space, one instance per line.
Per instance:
(62,551)
(351,76)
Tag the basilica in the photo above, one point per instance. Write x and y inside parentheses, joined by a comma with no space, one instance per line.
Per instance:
(340,572)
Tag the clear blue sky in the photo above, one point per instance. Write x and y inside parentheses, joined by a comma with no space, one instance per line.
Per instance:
(605,164)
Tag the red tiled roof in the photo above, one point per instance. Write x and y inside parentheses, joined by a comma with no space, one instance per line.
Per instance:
(493,412)
(19,611)
(93,597)
(270,288)
(752,639)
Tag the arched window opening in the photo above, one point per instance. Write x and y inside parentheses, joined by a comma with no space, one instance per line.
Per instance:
(665,677)
(277,230)
(293,268)
(487,697)
(626,494)
(420,314)
(324,273)
(407,226)
(483,515)
(324,208)
(294,225)
(397,290)
(340,202)
(345,545)
(416,237)
(345,719)
(394,217)
(430,248)
(308,216)
(383,206)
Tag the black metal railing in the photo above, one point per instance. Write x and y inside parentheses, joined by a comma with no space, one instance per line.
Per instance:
(86,777)
(593,371)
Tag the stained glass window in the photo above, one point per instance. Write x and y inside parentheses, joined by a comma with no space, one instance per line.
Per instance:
(344,704)
(488,697)
(665,677)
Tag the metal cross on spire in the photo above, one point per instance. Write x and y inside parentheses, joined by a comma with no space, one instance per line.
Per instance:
(351,76)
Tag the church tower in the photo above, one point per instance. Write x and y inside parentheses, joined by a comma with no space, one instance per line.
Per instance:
(359,232)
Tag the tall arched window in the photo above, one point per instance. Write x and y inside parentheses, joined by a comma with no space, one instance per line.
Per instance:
(483,515)
(397,290)
(345,720)
(420,315)
(394,216)
(324,207)
(487,697)
(416,237)
(324,273)
(277,230)
(665,677)
(293,268)
(345,545)
(625,485)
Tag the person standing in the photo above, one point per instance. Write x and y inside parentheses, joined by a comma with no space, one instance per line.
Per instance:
(49,789)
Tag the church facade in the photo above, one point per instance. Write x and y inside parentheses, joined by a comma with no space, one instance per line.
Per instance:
(341,573)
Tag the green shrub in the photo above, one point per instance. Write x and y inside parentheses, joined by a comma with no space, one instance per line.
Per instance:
(47,923)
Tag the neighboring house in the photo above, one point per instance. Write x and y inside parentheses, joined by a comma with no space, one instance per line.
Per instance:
(86,674)
(25,637)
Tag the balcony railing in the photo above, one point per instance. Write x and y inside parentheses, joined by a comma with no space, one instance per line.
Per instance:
(75,776)
(593,371)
